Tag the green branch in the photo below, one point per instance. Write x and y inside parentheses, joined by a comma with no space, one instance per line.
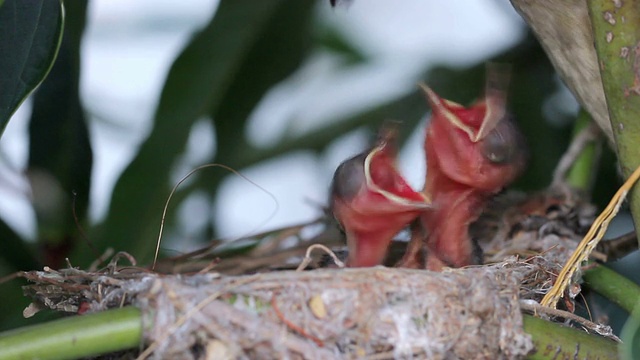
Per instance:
(74,337)
(555,341)
(613,286)
(582,173)
(616,32)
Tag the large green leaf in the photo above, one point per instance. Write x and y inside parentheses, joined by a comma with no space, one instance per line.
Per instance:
(630,348)
(60,154)
(280,50)
(198,82)
(30,33)
(331,39)
(15,252)
(15,255)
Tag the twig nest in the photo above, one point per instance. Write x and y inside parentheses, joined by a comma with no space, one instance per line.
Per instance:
(471,313)
(375,313)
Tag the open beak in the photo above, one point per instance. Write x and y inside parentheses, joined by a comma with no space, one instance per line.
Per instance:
(493,105)
(373,202)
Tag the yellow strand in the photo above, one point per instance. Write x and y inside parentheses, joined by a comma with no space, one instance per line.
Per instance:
(588,243)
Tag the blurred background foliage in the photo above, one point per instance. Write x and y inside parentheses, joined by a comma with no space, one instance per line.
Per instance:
(220,77)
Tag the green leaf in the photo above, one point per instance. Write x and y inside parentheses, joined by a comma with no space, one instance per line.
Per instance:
(15,251)
(31,32)
(197,84)
(630,347)
(281,49)
(533,83)
(60,156)
(331,39)
(583,171)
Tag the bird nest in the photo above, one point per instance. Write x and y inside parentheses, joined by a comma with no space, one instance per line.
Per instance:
(335,313)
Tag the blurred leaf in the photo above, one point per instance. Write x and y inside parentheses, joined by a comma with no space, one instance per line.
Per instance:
(607,178)
(198,83)
(31,32)
(533,82)
(630,347)
(581,176)
(281,49)
(529,92)
(14,251)
(15,255)
(337,43)
(60,156)
(13,302)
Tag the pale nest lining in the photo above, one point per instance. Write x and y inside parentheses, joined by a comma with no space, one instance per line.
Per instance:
(379,313)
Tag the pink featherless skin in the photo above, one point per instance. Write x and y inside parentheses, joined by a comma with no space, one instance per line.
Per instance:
(372,201)
(472,154)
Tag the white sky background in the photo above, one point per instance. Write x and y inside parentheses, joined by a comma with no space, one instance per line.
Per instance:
(130,45)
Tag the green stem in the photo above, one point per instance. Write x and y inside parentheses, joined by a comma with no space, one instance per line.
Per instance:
(555,341)
(74,337)
(582,173)
(630,334)
(616,32)
(615,287)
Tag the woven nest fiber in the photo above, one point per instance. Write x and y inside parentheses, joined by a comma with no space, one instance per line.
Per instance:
(374,313)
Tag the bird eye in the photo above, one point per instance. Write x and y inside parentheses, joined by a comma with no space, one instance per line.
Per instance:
(503,144)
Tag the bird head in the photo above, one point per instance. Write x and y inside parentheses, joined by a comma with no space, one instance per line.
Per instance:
(477,146)
(373,202)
